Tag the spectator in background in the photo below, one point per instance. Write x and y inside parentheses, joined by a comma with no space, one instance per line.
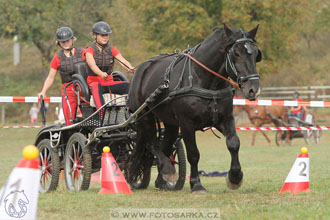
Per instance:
(46,107)
(34,113)
(60,115)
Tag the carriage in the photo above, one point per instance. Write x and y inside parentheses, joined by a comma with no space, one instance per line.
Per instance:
(77,148)
(306,120)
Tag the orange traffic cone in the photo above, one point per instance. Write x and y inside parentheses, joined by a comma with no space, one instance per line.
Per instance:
(19,195)
(113,180)
(298,178)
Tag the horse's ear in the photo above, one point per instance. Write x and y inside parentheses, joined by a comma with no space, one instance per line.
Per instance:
(228,31)
(252,34)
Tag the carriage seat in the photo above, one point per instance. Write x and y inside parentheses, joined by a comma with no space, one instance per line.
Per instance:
(80,85)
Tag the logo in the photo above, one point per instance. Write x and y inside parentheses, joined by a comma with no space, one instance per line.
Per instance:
(15,204)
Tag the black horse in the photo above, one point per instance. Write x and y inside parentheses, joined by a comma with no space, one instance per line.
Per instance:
(194,97)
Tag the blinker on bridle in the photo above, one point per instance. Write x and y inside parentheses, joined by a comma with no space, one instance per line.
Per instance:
(230,66)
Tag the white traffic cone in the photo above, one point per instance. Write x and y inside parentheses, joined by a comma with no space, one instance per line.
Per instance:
(298,178)
(19,195)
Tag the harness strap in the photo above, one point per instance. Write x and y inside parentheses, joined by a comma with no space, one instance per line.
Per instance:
(202,93)
(211,71)
(215,117)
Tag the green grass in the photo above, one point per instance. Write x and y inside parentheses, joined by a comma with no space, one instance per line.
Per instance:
(265,169)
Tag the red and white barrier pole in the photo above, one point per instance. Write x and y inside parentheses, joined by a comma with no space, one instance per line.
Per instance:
(29,99)
(320,104)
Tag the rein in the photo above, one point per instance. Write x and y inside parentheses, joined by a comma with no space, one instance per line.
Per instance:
(211,71)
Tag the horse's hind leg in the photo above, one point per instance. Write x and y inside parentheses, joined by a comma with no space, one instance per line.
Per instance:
(170,136)
(149,133)
(235,175)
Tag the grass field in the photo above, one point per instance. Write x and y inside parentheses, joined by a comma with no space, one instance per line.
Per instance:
(265,169)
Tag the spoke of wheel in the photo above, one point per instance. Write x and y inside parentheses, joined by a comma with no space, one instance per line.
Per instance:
(74,150)
(48,157)
(45,156)
(71,159)
(41,158)
(80,157)
(78,146)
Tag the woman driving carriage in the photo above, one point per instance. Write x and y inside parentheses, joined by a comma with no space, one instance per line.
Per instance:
(100,59)
(64,61)
(297,111)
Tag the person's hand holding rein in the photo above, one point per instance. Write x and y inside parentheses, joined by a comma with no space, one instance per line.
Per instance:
(132,70)
(43,94)
(104,75)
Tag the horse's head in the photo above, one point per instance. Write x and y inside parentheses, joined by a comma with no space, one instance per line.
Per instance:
(242,54)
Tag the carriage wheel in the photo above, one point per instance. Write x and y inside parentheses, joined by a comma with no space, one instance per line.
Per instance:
(49,166)
(143,180)
(77,163)
(308,136)
(317,136)
(178,159)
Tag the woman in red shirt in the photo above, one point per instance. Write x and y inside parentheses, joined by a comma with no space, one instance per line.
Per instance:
(297,111)
(100,59)
(63,62)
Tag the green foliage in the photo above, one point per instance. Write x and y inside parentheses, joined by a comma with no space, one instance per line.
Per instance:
(36,21)
(174,24)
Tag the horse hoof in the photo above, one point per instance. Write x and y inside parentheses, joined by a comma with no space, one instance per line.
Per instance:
(197,192)
(198,189)
(171,177)
(233,186)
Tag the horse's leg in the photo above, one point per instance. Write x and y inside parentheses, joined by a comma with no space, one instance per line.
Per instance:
(235,175)
(166,168)
(267,138)
(170,136)
(253,138)
(189,138)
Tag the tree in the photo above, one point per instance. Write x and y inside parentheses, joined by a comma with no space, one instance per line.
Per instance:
(279,21)
(174,24)
(36,21)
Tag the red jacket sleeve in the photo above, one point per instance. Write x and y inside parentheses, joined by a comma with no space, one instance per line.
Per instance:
(115,51)
(89,50)
(55,63)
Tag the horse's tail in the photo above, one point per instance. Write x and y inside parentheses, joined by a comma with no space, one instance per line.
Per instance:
(141,160)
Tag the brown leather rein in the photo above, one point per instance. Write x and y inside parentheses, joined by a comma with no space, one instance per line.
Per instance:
(211,71)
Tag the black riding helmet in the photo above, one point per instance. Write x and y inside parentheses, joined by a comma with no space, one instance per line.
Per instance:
(64,34)
(101,27)
(295,95)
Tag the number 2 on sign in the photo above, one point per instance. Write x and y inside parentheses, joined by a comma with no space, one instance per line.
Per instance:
(115,172)
(303,169)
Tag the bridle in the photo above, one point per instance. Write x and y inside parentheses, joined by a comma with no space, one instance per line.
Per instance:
(230,66)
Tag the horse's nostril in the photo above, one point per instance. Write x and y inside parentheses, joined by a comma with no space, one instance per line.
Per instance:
(251,92)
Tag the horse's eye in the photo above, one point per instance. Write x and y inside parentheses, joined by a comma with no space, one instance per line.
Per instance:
(236,53)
